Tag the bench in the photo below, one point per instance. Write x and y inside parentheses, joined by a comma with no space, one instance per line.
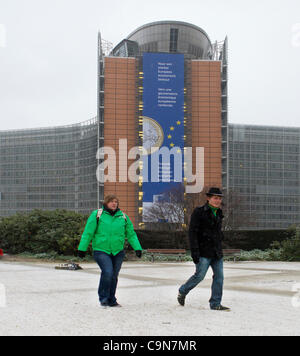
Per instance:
(163,251)
(232,252)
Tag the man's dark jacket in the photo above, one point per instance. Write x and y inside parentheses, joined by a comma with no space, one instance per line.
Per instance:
(205,233)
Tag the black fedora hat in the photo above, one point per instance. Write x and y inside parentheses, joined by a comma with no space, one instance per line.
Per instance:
(214,191)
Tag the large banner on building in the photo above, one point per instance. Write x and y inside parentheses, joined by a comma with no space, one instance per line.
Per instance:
(163,126)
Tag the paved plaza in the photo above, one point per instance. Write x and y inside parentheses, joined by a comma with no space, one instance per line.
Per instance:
(37,299)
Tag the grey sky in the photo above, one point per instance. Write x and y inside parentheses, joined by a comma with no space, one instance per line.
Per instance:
(48,60)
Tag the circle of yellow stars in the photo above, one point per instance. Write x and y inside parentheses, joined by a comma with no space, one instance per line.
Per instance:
(172,128)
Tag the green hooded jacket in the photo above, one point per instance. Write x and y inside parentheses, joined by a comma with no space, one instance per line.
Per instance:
(110,234)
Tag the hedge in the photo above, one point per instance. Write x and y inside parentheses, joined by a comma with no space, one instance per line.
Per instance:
(59,231)
(42,231)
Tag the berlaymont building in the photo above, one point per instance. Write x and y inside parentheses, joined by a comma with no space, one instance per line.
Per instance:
(164,86)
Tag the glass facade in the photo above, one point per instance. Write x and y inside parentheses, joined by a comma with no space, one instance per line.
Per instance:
(49,168)
(172,37)
(264,164)
(126,48)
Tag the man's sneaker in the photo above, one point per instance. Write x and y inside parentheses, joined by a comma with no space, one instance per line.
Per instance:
(220,307)
(181,299)
(103,305)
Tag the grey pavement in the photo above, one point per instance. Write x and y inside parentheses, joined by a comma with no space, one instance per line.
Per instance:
(37,299)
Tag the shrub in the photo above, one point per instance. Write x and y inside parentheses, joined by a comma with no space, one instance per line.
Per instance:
(290,248)
(256,255)
(42,231)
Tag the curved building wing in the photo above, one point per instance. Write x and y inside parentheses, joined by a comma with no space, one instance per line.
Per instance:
(167,37)
(49,168)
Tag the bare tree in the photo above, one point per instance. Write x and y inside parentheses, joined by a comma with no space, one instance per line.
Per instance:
(235,209)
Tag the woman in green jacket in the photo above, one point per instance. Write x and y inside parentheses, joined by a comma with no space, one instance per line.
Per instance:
(108,236)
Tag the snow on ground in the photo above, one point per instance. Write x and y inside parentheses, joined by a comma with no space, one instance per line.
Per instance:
(40,300)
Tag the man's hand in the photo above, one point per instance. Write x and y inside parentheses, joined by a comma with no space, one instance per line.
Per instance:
(138,253)
(81,254)
(195,257)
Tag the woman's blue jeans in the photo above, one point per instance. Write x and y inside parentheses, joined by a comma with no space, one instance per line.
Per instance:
(201,270)
(110,267)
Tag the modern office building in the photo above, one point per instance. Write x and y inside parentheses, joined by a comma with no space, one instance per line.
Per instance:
(264,173)
(163,87)
(49,168)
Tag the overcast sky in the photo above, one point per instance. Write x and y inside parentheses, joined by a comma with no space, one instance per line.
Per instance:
(48,52)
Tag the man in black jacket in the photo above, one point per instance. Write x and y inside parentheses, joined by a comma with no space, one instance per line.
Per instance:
(206,237)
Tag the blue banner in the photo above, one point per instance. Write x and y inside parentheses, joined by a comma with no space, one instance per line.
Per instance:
(163,125)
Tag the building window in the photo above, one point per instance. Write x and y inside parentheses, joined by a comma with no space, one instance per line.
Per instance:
(173,39)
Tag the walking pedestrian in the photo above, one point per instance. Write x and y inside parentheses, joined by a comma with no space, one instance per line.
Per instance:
(206,237)
(108,228)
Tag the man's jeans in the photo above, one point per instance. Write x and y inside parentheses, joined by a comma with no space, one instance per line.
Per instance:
(217,284)
(110,267)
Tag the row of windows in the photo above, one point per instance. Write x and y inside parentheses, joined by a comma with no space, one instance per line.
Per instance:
(39,140)
(149,47)
(34,205)
(83,207)
(286,217)
(87,170)
(35,154)
(88,143)
(36,149)
(263,130)
(265,182)
(87,162)
(270,189)
(265,138)
(14,191)
(37,181)
(38,165)
(88,153)
(264,165)
(272,174)
(58,197)
(49,189)
(275,157)
(265,147)
(87,196)
(272,200)
(38,157)
(271,208)
(22,159)
(16,174)
(257,217)
(38,173)
(268,207)
(88,205)
(255,179)
(275,193)
(87,179)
